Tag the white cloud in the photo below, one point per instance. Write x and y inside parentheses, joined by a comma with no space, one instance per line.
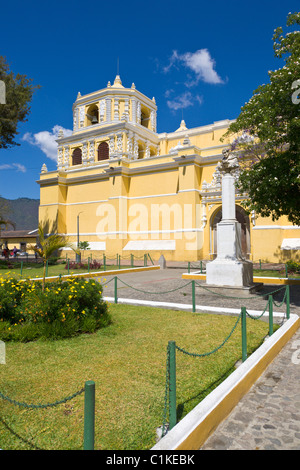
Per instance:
(183,101)
(46,141)
(13,166)
(199,62)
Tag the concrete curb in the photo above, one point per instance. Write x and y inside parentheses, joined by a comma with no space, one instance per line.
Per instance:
(97,274)
(199,308)
(194,429)
(291,281)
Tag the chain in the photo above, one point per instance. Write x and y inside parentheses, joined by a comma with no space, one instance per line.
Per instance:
(283,300)
(39,405)
(256,318)
(214,350)
(162,292)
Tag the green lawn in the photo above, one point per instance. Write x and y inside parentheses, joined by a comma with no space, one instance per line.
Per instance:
(30,270)
(273,273)
(127,361)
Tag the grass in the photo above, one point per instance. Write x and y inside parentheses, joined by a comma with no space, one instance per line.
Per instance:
(127,361)
(273,273)
(31,271)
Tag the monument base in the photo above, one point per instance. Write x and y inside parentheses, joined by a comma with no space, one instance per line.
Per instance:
(229,273)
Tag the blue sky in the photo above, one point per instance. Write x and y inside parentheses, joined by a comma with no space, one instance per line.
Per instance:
(200,60)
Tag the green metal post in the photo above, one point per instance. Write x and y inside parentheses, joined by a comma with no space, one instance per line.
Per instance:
(193,296)
(201,267)
(244,334)
(286,271)
(287,302)
(119,261)
(172,384)
(89,415)
(116,291)
(260,264)
(270,315)
(145,259)
(189,266)
(68,266)
(131,258)
(151,259)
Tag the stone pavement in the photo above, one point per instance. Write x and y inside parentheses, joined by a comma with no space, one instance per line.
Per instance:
(268,416)
(152,283)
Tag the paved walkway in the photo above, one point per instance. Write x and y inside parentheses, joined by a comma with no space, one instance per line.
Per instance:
(268,417)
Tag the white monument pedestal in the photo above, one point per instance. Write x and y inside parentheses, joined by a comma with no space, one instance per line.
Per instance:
(229,269)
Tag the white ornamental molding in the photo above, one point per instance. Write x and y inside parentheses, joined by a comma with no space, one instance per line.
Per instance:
(120,143)
(66,157)
(147,149)
(91,158)
(153,120)
(116,109)
(81,115)
(84,153)
(138,113)
(59,157)
(130,145)
(111,145)
(75,119)
(101,110)
(135,149)
(108,109)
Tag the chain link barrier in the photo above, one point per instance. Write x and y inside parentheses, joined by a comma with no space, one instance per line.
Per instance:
(214,350)
(147,292)
(39,405)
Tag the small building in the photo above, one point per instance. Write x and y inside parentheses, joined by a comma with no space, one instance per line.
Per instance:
(127,189)
(20,239)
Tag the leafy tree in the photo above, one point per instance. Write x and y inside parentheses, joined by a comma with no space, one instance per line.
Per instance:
(268,129)
(48,245)
(19,92)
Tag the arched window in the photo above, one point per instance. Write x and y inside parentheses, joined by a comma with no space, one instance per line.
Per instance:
(103,151)
(77,157)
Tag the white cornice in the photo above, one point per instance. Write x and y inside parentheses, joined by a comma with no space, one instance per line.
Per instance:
(196,130)
(100,130)
(114,92)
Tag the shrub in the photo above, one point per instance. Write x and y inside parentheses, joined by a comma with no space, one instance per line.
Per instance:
(63,309)
(293,266)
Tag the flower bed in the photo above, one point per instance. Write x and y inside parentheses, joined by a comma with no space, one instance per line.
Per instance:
(64,309)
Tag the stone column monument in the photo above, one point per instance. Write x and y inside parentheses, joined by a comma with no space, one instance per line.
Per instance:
(229,269)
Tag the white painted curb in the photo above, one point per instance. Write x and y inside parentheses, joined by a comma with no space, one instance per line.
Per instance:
(200,308)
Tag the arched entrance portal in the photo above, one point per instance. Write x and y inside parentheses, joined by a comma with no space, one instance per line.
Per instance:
(243,219)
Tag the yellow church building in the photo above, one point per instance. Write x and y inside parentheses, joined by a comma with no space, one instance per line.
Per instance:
(127,189)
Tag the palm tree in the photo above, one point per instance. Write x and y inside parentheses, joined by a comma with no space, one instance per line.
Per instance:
(48,245)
